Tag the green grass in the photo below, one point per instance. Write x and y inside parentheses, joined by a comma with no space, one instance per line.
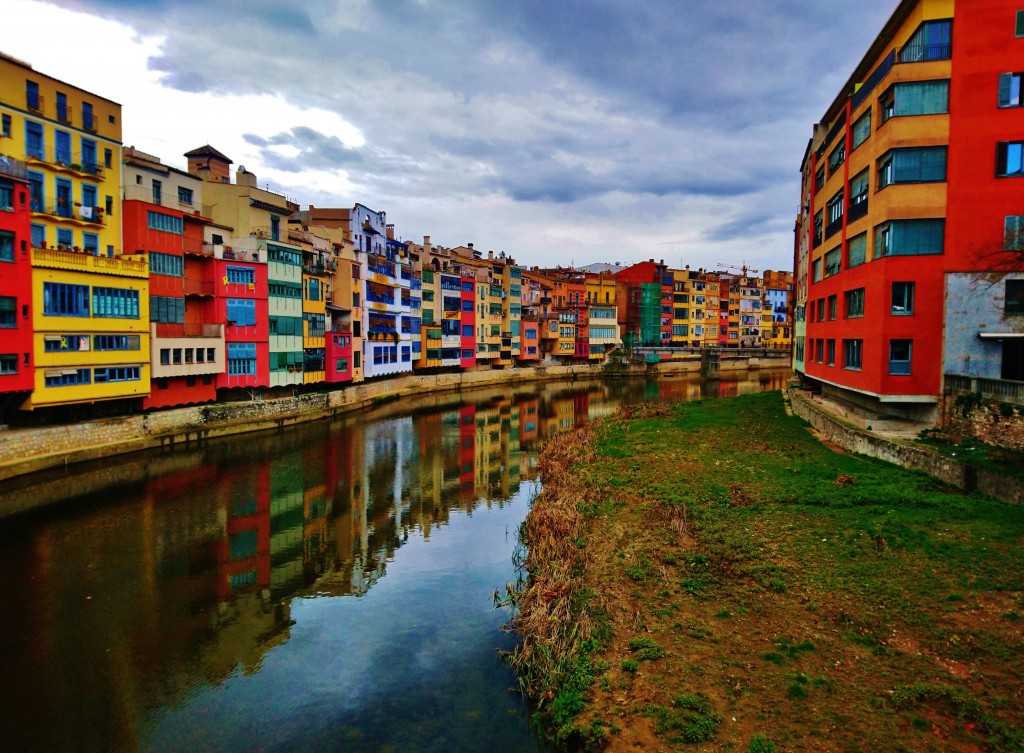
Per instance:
(822,596)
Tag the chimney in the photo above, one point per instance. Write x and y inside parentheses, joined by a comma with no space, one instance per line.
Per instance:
(245,178)
(469,246)
(426,244)
(490,256)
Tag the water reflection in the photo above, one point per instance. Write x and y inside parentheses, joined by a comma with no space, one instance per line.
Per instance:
(176,602)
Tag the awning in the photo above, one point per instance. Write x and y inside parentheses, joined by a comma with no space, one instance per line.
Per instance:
(1001,335)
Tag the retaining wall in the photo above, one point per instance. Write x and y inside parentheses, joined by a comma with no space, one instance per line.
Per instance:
(25,451)
(854,439)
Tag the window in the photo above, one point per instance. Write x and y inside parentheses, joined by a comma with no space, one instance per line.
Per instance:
(241,358)
(916,98)
(1013,302)
(116,374)
(818,228)
(1009,90)
(832,259)
(831,353)
(62,147)
(853,353)
(211,355)
(903,298)
(6,124)
(9,364)
(89,156)
(275,228)
(242,312)
(158,191)
(165,223)
(899,357)
(115,303)
(165,356)
(835,214)
(108,158)
(240,275)
(819,178)
(285,325)
(314,289)
(925,164)
(821,309)
(34,144)
(862,129)
(67,377)
(819,352)
(1019,29)
(64,299)
(64,238)
(115,342)
(931,41)
(185,196)
(909,238)
(832,307)
(1013,233)
(91,243)
(1009,158)
(859,185)
(166,264)
(166,310)
(837,157)
(32,96)
(6,246)
(8,311)
(854,303)
(88,122)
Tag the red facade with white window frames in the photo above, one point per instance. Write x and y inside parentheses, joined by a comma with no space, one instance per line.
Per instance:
(16,335)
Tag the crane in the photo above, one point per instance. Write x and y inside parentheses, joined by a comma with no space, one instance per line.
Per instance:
(743,267)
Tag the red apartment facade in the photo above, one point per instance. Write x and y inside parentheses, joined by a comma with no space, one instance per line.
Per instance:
(16,351)
(914,173)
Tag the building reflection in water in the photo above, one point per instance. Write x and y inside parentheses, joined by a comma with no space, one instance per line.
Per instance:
(134,595)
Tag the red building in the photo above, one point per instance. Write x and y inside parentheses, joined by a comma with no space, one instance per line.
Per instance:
(17,365)
(339,357)
(468,298)
(161,218)
(911,180)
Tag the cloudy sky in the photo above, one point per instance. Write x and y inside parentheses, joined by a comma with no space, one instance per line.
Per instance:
(559,131)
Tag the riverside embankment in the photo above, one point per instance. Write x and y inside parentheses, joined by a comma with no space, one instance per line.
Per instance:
(732,581)
(24,451)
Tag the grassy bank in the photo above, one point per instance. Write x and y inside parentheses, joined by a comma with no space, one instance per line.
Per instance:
(709,576)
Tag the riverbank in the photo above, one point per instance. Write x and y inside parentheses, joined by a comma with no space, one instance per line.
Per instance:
(733,582)
(24,451)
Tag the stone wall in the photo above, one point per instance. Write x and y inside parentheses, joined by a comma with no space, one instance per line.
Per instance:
(967,415)
(946,469)
(25,451)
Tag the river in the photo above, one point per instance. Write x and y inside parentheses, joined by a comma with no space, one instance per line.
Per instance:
(325,588)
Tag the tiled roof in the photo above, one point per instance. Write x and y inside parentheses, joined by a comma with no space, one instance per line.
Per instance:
(208,151)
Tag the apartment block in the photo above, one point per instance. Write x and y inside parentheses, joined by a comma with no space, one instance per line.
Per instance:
(911,197)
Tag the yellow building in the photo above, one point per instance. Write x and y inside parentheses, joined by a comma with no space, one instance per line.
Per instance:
(70,140)
(91,321)
(602,314)
(91,305)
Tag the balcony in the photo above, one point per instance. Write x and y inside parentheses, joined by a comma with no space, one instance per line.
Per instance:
(834,227)
(75,166)
(199,287)
(89,122)
(923,52)
(124,266)
(858,209)
(317,270)
(1003,390)
(72,213)
(189,329)
(35,103)
(12,167)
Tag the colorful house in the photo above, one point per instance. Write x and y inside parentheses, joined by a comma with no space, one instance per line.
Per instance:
(161,213)
(16,349)
(910,193)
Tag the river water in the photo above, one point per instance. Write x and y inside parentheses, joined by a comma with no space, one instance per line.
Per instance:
(326,588)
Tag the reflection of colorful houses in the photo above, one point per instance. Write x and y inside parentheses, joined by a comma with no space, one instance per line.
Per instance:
(244,555)
(467,451)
